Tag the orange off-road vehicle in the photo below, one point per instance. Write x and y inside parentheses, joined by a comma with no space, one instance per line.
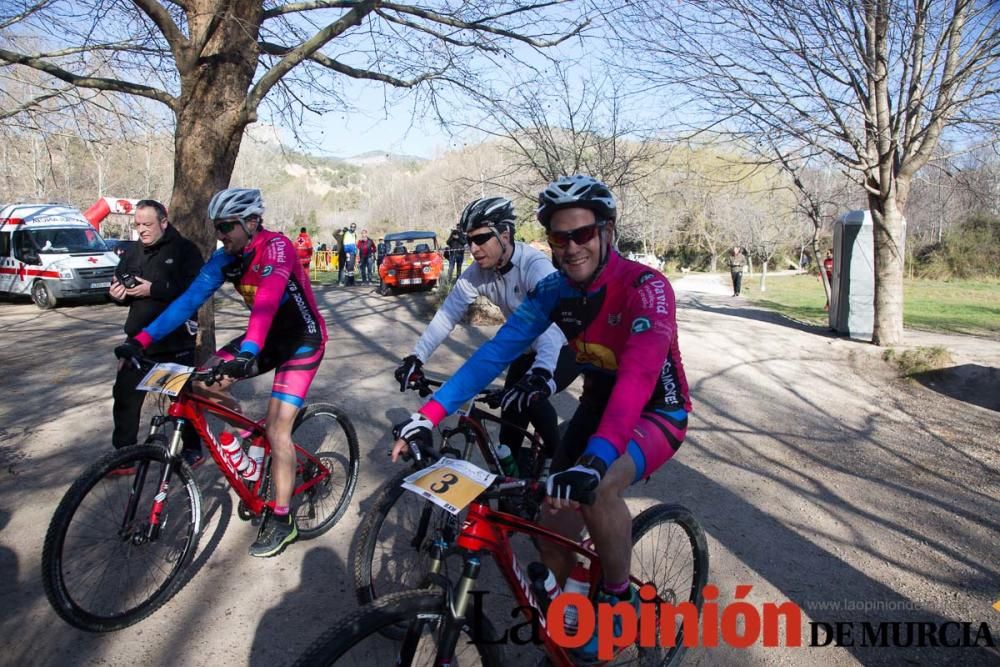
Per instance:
(412,262)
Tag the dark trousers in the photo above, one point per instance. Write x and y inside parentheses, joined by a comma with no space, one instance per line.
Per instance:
(540,414)
(737,281)
(366,269)
(455,261)
(128,401)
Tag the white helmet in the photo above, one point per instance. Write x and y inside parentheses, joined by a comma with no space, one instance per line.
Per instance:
(235,203)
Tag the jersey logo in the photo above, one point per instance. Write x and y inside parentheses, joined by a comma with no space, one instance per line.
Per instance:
(596,355)
(614,319)
(249,293)
(641,324)
(267,271)
(256,268)
(643,277)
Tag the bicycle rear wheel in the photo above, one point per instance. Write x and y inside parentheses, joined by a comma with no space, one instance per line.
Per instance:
(101,568)
(359,639)
(326,433)
(668,551)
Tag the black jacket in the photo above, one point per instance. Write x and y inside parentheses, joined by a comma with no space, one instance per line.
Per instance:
(170,265)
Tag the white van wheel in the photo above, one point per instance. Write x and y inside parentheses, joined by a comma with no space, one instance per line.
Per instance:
(42,295)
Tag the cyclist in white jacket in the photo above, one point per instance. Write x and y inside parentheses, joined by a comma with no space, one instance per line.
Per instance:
(504,271)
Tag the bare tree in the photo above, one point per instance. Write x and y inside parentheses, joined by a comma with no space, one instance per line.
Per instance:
(214,63)
(872,83)
(562,122)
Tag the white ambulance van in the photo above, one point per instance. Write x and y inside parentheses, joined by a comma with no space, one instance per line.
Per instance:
(51,252)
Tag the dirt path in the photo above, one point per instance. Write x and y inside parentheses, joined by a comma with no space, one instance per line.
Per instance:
(819,478)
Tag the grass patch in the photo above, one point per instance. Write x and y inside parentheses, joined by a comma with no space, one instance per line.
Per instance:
(918,360)
(949,306)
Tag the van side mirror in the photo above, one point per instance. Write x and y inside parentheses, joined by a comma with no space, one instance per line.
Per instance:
(31,257)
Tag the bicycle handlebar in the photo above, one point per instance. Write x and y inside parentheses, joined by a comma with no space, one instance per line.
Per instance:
(491,397)
(207,375)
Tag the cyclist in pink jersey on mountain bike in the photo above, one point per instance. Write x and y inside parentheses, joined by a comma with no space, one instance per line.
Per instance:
(619,317)
(285,333)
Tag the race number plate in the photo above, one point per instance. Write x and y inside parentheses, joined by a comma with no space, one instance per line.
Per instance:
(99,285)
(166,379)
(450,483)
(410,281)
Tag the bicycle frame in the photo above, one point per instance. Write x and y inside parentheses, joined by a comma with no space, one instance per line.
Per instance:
(190,407)
(474,423)
(488,530)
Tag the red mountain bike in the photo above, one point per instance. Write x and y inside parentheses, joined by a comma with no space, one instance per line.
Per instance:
(442,626)
(118,544)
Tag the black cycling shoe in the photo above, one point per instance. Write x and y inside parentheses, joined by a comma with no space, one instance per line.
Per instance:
(277,534)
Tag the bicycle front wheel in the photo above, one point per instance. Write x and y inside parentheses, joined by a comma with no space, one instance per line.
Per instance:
(669,551)
(116,548)
(359,639)
(325,433)
(392,549)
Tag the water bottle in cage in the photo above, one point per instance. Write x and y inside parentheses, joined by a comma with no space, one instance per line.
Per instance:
(245,465)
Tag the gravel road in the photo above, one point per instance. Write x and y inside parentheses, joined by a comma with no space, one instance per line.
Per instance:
(819,477)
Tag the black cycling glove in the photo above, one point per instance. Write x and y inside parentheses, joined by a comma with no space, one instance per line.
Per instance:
(535,385)
(409,372)
(131,350)
(240,367)
(579,483)
(418,431)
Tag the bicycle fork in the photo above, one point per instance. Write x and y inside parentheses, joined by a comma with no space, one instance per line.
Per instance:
(159,500)
(457,601)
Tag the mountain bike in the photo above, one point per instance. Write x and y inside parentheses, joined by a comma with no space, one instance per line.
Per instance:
(443,626)
(125,532)
(392,549)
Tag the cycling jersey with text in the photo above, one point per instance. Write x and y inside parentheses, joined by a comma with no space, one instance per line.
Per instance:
(623,329)
(272,283)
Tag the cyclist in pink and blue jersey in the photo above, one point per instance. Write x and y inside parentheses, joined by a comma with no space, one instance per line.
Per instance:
(619,317)
(286,333)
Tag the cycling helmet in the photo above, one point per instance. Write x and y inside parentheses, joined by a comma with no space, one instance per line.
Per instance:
(235,203)
(576,192)
(487,212)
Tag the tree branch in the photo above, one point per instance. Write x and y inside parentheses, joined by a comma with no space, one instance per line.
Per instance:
(98,83)
(306,50)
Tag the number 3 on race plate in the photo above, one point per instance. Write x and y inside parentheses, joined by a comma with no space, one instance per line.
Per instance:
(450,483)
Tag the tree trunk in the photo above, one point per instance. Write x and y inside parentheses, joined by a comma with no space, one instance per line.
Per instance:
(763,275)
(211,116)
(205,151)
(889,253)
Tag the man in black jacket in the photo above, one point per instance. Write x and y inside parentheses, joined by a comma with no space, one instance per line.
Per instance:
(456,253)
(149,276)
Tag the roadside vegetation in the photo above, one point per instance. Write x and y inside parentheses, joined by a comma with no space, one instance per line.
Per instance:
(948,306)
(918,360)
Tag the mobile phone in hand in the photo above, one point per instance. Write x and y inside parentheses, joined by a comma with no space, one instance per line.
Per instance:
(127,279)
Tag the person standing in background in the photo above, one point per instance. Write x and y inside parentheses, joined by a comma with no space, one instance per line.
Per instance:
(737,261)
(349,244)
(456,253)
(828,269)
(381,250)
(366,255)
(150,275)
(304,249)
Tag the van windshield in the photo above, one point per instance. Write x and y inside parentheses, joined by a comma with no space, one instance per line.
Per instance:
(72,239)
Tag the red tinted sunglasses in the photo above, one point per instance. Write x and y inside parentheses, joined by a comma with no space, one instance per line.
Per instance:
(579,236)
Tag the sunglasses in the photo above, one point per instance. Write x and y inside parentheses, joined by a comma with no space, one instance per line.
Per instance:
(225,226)
(579,236)
(480,239)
